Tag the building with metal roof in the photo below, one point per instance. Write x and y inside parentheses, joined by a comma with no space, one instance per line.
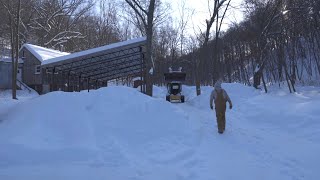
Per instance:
(93,68)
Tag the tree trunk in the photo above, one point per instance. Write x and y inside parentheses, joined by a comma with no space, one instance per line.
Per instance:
(288,82)
(149,64)
(13,80)
(198,82)
(257,79)
(264,83)
(17,51)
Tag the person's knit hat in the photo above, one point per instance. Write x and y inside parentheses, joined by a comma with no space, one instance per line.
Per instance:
(217,85)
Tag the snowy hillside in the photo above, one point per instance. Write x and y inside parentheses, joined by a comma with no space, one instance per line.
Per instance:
(119,133)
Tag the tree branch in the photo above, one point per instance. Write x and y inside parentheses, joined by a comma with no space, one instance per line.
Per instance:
(137,12)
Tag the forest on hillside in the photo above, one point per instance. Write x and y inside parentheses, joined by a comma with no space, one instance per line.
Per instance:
(278,40)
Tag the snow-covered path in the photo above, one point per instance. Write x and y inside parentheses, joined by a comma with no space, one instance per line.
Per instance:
(118,133)
(268,136)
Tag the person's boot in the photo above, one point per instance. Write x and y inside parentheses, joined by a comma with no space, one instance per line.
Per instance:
(220,132)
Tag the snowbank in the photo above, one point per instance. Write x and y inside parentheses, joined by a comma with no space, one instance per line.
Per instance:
(119,122)
(119,133)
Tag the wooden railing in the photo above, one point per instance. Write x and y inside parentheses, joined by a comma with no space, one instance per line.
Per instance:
(21,84)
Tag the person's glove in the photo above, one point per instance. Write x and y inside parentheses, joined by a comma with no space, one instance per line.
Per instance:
(211,107)
(230,106)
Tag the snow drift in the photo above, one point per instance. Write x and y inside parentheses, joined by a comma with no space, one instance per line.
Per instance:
(119,133)
(120,122)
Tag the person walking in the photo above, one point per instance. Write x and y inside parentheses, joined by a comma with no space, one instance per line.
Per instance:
(220,97)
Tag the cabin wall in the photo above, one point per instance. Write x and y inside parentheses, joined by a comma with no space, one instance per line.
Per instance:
(29,75)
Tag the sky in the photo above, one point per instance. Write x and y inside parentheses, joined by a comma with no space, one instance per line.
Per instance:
(201,13)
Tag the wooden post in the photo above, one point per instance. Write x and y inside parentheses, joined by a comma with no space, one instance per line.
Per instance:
(68,84)
(79,83)
(142,71)
(53,83)
(88,83)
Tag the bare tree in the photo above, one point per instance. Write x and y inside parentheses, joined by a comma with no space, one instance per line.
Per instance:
(13,10)
(55,20)
(277,43)
(145,13)
(204,49)
(185,15)
(108,22)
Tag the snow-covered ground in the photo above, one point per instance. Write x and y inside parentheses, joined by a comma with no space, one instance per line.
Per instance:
(119,133)
(7,103)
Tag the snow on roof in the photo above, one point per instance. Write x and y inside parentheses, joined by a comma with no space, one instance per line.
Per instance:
(95,50)
(8,59)
(43,54)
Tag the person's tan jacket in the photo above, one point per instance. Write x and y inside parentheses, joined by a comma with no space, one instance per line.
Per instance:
(214,94)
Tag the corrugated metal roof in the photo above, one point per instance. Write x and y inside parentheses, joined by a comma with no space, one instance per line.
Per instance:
(103,63)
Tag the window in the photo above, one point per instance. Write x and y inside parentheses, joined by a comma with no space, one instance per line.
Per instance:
(175,87)
(49,71)
(37,69)
(23,58)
